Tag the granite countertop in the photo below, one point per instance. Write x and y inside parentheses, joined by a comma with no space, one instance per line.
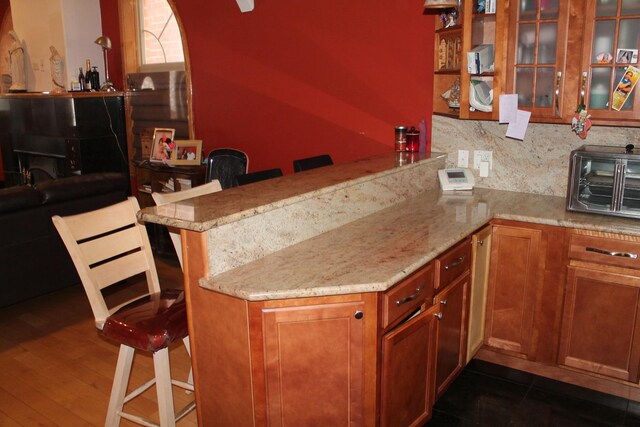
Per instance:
(213,210)
(375,252)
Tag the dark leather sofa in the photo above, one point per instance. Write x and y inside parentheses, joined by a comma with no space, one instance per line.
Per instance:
(33,259)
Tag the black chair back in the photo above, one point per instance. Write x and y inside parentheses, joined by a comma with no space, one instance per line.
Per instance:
(312,163)
(248,178)
(225,164)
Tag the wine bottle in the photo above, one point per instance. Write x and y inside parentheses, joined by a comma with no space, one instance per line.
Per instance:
(95,78)
(87,77)
(81,79)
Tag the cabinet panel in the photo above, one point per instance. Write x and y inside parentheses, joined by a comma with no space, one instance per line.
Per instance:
(513,279)
(599,327)
(314,354)
(452,332)
(408,358)
(481,246)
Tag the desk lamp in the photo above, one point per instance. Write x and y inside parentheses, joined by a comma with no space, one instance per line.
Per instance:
(105,43)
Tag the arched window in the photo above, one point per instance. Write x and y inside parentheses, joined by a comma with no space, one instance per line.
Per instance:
(159,36)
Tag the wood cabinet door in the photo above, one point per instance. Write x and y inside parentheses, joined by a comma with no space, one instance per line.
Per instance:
(600,331)
(452,332)
(408,359)
(314,364)
(514,275)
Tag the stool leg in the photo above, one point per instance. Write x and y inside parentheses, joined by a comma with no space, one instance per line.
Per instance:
(119,387)
(163,388)
(187,345)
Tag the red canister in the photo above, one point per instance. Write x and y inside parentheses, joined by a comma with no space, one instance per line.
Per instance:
(413,139)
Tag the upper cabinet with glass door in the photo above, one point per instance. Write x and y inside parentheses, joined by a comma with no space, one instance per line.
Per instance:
(612,31)
(536,56)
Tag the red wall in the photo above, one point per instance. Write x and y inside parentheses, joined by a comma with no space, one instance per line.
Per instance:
(111,29)
(298,78)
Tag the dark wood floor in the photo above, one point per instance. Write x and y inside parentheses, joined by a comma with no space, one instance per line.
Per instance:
(57,371)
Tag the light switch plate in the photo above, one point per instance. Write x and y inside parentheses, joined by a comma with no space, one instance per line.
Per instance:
(463,158)
(482,156)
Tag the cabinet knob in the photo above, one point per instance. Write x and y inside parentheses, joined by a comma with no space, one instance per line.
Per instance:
(358,315)
(438,315)
(443,302)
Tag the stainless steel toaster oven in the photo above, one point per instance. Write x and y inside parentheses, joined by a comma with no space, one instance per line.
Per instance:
(605,180)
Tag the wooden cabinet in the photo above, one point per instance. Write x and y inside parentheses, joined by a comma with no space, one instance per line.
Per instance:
(452,332)
(600,327)
(157,177)
(452,283)
(566,54)
(408,350)
(481,247)
(314,353)
(514,276)
(526,280)
(408,360)
(474,27)
(554,55)
(601,320)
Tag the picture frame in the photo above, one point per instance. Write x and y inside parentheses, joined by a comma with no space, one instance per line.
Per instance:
(187,152)
(627,56)
(163,145)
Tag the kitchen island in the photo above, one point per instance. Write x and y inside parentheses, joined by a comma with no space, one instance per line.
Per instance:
(285,280)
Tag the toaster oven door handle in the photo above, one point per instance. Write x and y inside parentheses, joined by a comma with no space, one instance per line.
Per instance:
(612,253)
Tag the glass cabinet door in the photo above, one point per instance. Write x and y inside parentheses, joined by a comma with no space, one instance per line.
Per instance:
(537,61)
(612,40)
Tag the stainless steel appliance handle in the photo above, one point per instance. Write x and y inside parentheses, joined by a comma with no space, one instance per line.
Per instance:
(411,297)
(612,253)
(455,263)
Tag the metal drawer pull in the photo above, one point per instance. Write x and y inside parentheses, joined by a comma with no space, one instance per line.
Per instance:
(438,315)
(611,253)
(443,302)
(455,263)
(411,297)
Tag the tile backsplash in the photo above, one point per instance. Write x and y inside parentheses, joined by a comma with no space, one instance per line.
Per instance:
(539,164)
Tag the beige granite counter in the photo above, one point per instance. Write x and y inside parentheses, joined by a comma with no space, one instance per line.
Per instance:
(351,228)
(375,252)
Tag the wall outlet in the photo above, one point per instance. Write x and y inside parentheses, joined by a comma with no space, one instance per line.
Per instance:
(463,158)
(482,156)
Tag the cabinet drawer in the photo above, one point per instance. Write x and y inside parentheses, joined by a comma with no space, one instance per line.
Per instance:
(605,250)
(408,295)
(453,263)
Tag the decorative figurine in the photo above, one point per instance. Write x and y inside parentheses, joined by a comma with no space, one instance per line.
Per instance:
(57,71)
(16,62)
(581,122)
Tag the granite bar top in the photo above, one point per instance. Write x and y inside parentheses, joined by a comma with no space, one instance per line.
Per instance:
(373,253)
(233,204)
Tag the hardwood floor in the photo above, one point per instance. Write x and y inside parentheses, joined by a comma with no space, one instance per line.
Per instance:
(57,371)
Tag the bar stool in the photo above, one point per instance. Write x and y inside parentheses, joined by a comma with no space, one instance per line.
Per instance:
(301,165)
(107,246)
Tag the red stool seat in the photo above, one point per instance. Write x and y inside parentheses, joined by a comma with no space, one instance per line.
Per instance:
(150,323)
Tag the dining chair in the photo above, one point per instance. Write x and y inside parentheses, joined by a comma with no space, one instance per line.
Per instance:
(225,164)
(312,162)
(177,196)
(262,175)
(107,246)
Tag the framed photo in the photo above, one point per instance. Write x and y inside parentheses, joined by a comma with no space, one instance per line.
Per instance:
(627,56)
(163,144)
(187,152)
